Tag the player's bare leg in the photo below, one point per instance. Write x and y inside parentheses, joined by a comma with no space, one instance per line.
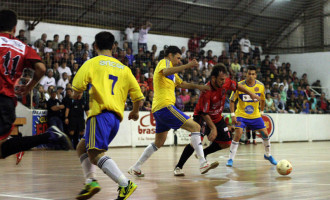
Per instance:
(196,143)
(160,139)
(266,141)
(234,146)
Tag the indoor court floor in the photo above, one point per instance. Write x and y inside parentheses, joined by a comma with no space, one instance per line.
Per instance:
(46,175)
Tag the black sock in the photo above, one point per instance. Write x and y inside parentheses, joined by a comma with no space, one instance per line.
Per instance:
(254,135)
(211,149)
(187,152)
(18,144)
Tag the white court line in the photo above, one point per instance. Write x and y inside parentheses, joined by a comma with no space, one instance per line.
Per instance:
(17,196)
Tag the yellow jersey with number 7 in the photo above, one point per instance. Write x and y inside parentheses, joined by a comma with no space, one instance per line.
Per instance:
(110,82)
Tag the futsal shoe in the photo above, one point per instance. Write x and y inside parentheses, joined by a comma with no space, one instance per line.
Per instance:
(178,172)
(125,192)
(19,157)
(271,159)
(58,137)
(206,166)
(254,142)
(89,190)
(229,163)
(135,172)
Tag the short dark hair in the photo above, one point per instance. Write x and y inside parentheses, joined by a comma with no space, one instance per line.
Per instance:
(8,20)
(173,50)
(104,40)
(251,67)
(217,69)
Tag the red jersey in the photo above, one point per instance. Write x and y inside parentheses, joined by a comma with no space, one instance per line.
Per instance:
(212,102)
(14,57)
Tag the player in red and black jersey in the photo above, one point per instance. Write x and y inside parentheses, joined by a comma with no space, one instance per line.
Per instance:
(209,109)
(14,57)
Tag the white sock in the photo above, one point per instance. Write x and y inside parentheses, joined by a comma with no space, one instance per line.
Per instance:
(110,168)
(88,168)
(266,143)
(233,149)
(151,148)
(196,142)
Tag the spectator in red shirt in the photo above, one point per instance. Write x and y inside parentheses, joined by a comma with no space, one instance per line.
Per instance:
(323,103)
(193,44)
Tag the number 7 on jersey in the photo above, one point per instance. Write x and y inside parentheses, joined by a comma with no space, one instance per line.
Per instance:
(115,79)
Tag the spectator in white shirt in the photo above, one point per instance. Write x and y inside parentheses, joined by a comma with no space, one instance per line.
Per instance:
(143,33)
(129,35)
(245,45)
(277,62)
(48,80)
(63,80)
(49,47)
(63,68)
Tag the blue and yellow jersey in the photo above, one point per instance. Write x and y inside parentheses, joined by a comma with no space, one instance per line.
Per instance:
(246,107)
(164,86)
(110,83)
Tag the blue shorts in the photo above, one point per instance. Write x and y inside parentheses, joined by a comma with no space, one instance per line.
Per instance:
(100,130)
(252,124)
(169,117)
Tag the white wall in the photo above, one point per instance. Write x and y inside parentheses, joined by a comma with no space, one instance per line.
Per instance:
(316,65)
(88,34)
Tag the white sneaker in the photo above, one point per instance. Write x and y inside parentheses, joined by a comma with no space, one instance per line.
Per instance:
(135,172)
(178,172)
(206,166)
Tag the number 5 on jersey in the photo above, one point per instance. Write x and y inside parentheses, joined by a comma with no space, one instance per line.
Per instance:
(115,79)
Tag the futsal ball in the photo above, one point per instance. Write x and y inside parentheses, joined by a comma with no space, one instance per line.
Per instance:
(284,167)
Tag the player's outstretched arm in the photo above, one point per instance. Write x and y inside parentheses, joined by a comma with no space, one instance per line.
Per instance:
(174,70)
(246,91)
(186,85)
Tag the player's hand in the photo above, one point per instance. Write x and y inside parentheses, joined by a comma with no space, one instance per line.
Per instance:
(66,121)
(234,120)
(212,135)
(193,64)
(204,88)
(133,115)
(255,97)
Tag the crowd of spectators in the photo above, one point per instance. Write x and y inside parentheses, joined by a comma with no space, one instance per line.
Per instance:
(285,92)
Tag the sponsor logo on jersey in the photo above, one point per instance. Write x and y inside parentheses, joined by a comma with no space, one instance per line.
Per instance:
(249,109)
(256,89)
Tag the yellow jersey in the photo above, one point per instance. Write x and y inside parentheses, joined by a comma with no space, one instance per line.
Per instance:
(246,107)
(164,86)
(110,83)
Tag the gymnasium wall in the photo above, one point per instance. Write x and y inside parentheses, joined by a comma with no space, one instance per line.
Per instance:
(88,34)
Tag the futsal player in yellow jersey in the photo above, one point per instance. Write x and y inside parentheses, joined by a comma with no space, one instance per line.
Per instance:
(167,116)
(110,82)
(247,114)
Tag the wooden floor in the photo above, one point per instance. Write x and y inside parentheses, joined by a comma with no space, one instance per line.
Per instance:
(45,175)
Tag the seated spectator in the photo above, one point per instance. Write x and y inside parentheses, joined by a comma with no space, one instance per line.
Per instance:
(130,57)
(49,47)
(63,80)
(269,104)
(299,103)
(235,67)
(285,85)
(279,104)
(150,96)
(291,104)
(146,106)
(55,42)
(59,93)
(313,103)
(79,51)
(222,57)
(75,69)
(203,64)
(277,62)
(21,36)
(88,51)
(67,42)
(60,52)
(40,98)
(56,73)
(63,68)
(259,74)
(267,88)
(274,91)
(298,92)
(323,104)
(42,41)
(82,60)
(48,80)
(79,42)
(290,91)
(192,104)
(185,96)
(305,106)
(283,94)
(178,103)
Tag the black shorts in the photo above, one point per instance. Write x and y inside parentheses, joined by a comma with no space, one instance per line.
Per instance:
(7,115)
(224,136)
(76,124)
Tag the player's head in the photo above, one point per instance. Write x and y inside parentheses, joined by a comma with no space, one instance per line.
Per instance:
(8,21)
(218,75)
(104,41)
(173,53)
(251,74)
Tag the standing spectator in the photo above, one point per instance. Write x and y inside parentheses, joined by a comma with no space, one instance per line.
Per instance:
(193,44)
(55,42)
(63,68)
(143,33)
(269,104)
(129,35)
(79,42)
(63,80)
(42,40)
(79,51)
(233,44)
(48,80)
(245,45)
(277,62)
(67,42)
(323,103)
(21,36)
(235,67)
(279,104)
(54,108)
(88,51)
